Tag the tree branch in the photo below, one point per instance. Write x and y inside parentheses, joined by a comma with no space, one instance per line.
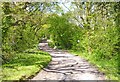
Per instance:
(75,17)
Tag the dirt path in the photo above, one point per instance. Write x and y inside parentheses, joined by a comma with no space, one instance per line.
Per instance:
(65,66)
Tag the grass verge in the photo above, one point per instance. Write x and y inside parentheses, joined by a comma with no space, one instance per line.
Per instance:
(109,67)
(25,64)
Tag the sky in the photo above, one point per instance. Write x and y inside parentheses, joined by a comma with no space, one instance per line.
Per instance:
(66,4)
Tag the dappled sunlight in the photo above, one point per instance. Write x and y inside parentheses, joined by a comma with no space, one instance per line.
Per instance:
(82,38)
(25,65)
(65,66)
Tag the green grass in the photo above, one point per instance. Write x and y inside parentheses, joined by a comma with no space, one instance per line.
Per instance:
(26,64)
(109,67)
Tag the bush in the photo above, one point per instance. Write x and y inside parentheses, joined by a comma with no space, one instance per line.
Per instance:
(51,44)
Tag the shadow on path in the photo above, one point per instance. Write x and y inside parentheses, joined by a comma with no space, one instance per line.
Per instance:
(65,66)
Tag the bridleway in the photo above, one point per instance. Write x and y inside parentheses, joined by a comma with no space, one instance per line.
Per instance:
(66,66)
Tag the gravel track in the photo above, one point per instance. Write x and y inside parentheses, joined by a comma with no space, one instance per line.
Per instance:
(65,66)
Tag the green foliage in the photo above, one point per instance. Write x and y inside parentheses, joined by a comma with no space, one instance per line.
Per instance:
(92,28)
(26,64)
(100,42)
(61,31)
(19,29)
(51,44)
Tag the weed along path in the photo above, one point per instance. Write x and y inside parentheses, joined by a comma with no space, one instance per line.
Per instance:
(65,66)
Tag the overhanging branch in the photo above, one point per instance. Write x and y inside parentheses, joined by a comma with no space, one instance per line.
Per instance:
(74,17)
